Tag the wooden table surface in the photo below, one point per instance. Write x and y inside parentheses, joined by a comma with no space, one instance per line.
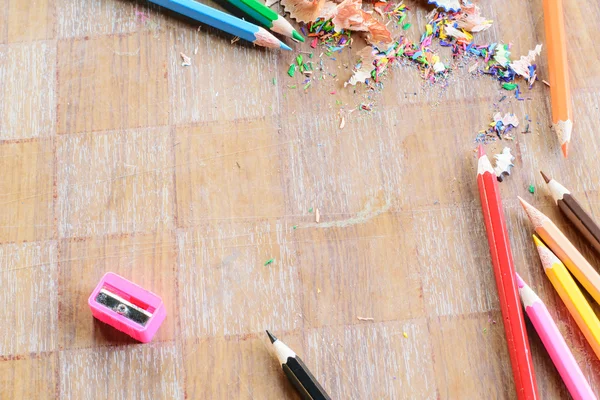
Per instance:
(186,180)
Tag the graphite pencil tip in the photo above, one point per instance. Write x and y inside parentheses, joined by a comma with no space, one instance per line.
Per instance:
(297,36)
(545,177)
(271,337)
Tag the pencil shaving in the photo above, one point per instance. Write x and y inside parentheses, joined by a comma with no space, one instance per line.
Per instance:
(349,15)
(365,69)
(503,164)
(185,60)
(471,19)
(306,10)
(522,66)
(365,319)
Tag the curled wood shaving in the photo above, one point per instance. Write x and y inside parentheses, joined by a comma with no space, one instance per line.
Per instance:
(305,10)
(521,66)
(185,60)
(349,15)
(361,74)
(471,19)
(503,164)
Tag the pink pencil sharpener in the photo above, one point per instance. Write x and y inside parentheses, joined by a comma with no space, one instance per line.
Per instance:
(127,307)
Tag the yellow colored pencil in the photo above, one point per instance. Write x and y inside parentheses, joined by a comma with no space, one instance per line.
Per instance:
(570,294)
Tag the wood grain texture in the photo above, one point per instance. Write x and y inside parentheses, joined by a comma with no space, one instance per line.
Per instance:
(186,180)
(29,21)
(26,191)
(115,182)
(27,377)
(29,70)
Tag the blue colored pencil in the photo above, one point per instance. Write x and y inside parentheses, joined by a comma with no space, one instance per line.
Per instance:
(225,22)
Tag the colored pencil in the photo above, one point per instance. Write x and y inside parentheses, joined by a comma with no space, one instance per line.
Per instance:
(564,249)
(558,72)
(267,17)
(555,344)
(504,271)
(225,22)
(297,372)
(570,294)
(574,212)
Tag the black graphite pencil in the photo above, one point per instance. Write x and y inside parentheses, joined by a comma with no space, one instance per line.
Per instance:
(297,372)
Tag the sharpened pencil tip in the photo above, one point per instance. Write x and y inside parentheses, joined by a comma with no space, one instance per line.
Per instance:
(545,177)
(285,46)
(520,282)
(524,204)
(537,241)
(271,337)
(480,151)
(297,36)
(565,149)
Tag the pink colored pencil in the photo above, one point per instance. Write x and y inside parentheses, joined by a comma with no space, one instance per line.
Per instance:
(559,352)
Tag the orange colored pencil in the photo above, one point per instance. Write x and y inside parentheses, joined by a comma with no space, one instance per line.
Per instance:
(581,269)
(560,92)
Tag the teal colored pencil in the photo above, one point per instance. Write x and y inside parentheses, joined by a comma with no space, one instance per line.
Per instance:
(225,22)
(267,17)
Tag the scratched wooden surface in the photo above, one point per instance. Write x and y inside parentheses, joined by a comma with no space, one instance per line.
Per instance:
(186,180)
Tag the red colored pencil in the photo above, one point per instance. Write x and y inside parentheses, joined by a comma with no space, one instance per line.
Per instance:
(504,271)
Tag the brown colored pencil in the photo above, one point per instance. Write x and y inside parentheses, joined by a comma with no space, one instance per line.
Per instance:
(558,72)
(574,212)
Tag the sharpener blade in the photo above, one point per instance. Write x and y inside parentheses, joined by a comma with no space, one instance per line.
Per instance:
(123,307)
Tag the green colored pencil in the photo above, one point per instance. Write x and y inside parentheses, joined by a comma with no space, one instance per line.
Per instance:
(267,17)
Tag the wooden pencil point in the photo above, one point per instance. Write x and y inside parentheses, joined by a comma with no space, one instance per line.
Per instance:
(545,177)
(480,151)
(484,165)
(565,149)
(297,372)
(575,213)
(546,255)
(536,217)
(528,296)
